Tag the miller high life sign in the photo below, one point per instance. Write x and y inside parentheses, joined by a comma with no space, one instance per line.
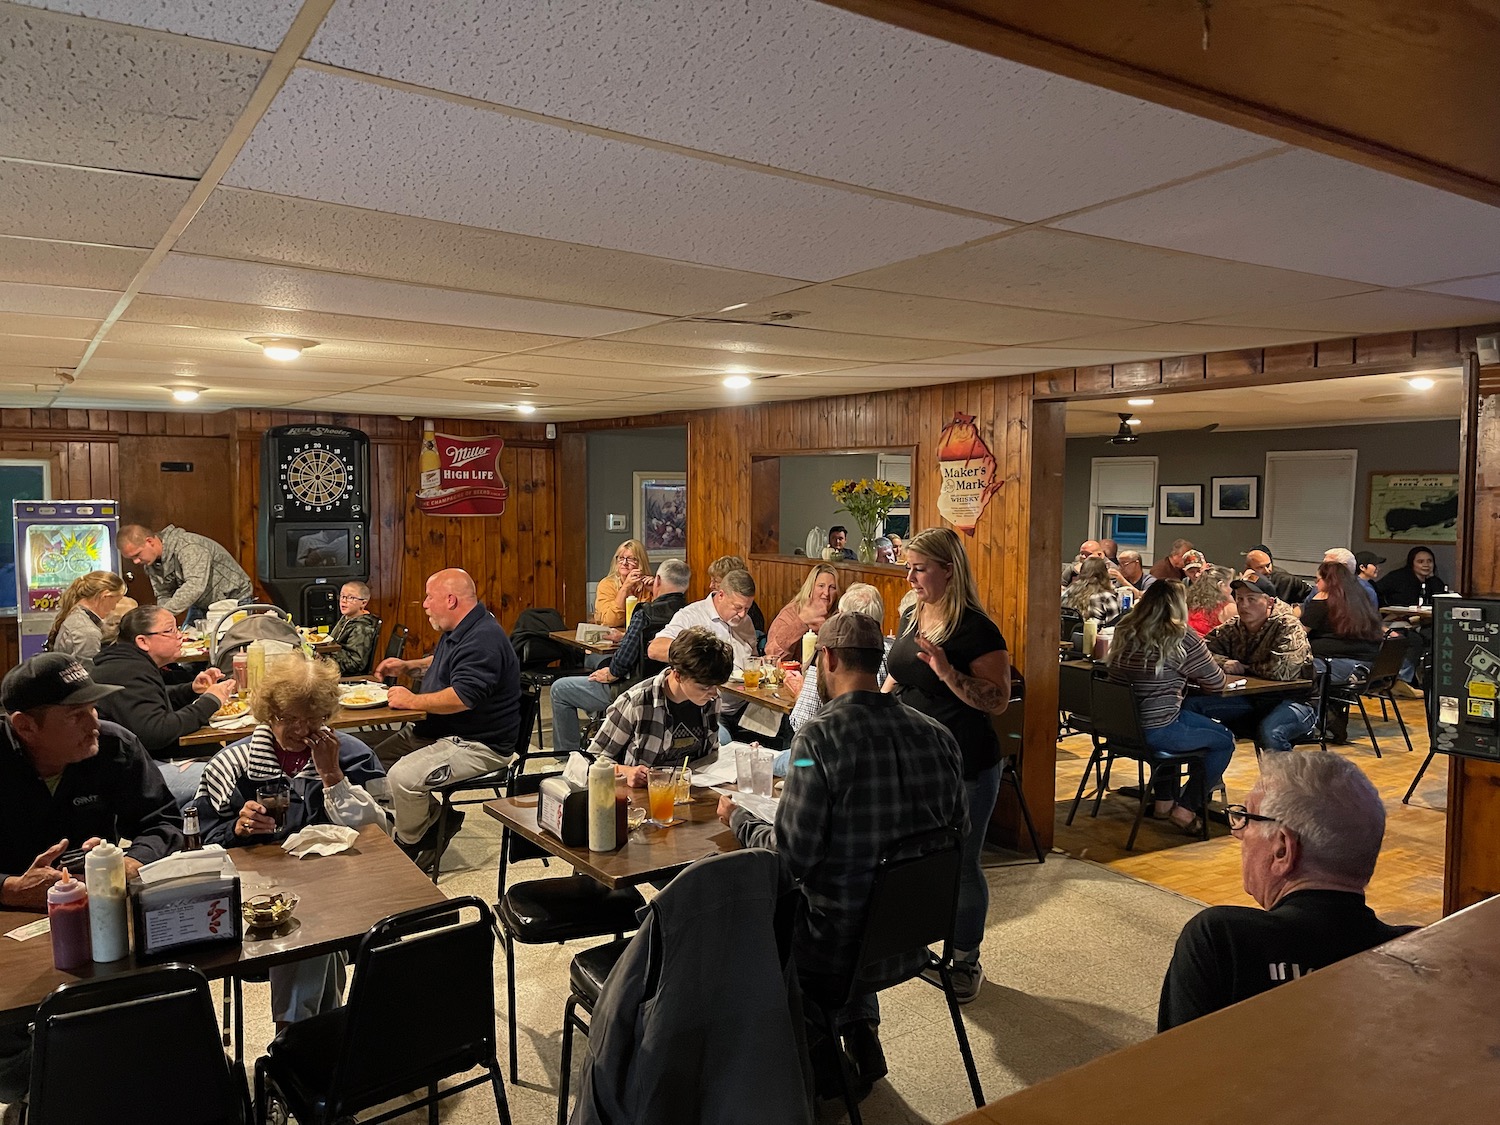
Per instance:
(461,476)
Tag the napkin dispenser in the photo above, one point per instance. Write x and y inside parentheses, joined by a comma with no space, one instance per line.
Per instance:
(191,910)
(563,810)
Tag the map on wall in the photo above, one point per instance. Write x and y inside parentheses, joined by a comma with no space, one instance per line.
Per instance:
(1413,508)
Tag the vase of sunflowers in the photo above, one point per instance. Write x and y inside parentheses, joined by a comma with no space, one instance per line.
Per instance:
(868,502)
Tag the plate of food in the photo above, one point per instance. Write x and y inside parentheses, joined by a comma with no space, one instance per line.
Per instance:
(188,652)
(356,696)
(231,713)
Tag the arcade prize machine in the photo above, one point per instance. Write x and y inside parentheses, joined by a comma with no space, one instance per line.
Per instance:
(56,542)
(1466,676)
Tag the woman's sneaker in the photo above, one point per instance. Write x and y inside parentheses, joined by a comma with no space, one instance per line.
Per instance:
(966,973)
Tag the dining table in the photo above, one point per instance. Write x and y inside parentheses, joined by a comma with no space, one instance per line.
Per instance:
(1233,684)
(344,719)
(569,637)
(778,698)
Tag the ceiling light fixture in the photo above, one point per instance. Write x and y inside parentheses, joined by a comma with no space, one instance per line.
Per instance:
(1421,383)
(737,382)
(1124,435)
(1139,401)
(1132,421)
(525,408)
(284,348)
(731,308)
(186,394)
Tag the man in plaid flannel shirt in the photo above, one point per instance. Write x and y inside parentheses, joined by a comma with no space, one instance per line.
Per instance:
(866,772)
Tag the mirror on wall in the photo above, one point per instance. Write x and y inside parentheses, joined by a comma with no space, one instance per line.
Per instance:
(791,494)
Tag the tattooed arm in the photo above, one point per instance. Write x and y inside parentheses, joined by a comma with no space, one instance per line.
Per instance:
(985,688)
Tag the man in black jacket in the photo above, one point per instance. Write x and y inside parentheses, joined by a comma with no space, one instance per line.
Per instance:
(157,711)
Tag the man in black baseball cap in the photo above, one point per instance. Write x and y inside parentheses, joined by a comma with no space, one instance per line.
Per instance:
(1367,566)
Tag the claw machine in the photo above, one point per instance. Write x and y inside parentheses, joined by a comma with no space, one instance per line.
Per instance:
(56,542)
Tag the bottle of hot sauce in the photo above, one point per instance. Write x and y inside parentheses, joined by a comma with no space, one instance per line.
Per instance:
(68,911)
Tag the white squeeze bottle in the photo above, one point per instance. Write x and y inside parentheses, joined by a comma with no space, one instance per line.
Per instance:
(104,875)
(602,805)
(809,646)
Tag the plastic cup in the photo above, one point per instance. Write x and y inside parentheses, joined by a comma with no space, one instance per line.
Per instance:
(744,769)
(276,796)
(661,793)
(684,786)
(761,771)
(752,674)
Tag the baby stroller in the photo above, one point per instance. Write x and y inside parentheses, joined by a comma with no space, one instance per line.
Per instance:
(247,624)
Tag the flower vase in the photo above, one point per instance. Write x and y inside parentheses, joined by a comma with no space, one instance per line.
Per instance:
(866,549)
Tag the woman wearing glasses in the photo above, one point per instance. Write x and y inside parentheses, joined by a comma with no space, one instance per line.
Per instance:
(627,577)
(355,632)
(1156,653)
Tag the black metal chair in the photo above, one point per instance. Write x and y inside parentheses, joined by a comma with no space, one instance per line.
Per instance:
(586,977)
(401,1030)
(913,904)
(1377,685)
(543,659)
(1010,729)
(1073,699)
(135,1047)
(394,647)
(1118,734)
(492,780)
(1071,621)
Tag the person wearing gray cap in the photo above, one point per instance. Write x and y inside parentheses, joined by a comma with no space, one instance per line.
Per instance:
(1267,641)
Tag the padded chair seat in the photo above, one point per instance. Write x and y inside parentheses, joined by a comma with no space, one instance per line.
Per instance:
(540,911)
(304,1054)
(590,968)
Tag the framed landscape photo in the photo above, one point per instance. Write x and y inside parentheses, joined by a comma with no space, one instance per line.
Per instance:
(1180,503)
(1412,508)
(661,514)
(1235,498)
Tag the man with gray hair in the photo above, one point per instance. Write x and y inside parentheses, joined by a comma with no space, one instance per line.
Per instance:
(1347,558)
(860,597)
(627,666)
(1309,833)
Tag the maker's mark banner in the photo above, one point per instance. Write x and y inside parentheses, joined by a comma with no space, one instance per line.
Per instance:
(968,475)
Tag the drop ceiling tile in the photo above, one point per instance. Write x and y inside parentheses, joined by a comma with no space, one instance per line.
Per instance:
(79,92)
(340,140)
(110,368)
(184,275)
(410,406)
(39,263)
(261,24)
(253,364)
(780,340)
(53,327)
(618,351)
(836,308)
(1386,310)
(1162,340)
(621,372)
(1049,269)
(85,205)
(34,351)
(936,369)
(548,388)
(1044,359)
(1304,211)
(17,297)
(233,343)
(897,111)
(256,226)
(256,320)
(1480,288)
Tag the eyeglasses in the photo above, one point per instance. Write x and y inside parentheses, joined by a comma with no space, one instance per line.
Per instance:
(352,598)
(174,631)
(1239,816)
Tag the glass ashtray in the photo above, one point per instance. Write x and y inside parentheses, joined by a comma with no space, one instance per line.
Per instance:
(268,910)
(636,817)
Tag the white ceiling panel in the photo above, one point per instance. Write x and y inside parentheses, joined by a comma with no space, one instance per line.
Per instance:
(253,365)
(1308,212)
(1480,288)
(232,343)
(697,358)
(128,366)
(75,91)
(18,297)
(1049,269)
(596,369)
(779,339)
(1044,359)
(1161,340)
(37,351)
(85,205)
(549,389)
(345,141)
(837,308)
(22,325)
(930,371)
(37,263)
(261,23)
(794,85)
(1386,310)
(256,226)
(183,275)
(425,406)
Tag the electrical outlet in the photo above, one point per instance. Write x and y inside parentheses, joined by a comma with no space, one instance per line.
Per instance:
(615,523)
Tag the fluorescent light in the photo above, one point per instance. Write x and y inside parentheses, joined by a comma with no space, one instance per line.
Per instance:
(1421,383)
(1140,401)
(737,382)
(1132,421)
(731,308)
(525,408)
(185,394)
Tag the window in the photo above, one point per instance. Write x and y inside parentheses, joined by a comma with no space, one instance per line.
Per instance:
(1309,505)
(1128,529)
(21,478)
(1122,498)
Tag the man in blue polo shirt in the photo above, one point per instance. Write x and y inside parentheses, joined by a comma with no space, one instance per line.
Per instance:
(471,691)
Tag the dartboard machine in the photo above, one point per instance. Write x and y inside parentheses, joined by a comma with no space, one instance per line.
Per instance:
(314,516)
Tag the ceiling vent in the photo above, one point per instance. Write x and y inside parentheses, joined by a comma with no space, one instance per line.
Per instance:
(503,384)
(776,319)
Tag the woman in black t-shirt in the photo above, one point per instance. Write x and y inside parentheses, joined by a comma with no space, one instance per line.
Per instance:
(949,661)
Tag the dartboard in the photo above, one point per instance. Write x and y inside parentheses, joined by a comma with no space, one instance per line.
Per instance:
(317,476)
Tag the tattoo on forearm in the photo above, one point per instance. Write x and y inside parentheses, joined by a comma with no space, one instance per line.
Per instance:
(982,695)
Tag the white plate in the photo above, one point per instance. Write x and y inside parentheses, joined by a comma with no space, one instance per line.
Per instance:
(379,701)
(736,677)
(233,720)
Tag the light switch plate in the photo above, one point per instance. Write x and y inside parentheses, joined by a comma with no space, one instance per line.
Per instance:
(615,523)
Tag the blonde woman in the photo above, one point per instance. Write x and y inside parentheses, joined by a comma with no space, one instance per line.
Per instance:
(950,662)
(86,603)
(627,576)
(1092,594)
(808,609)
(1156,653)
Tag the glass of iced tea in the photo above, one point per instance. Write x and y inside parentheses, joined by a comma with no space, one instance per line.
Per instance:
(752,673)
(661,794)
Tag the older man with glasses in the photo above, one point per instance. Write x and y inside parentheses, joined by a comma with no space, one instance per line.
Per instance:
(1309,832)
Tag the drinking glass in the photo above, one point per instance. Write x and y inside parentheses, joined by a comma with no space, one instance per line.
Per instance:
(661,792)
(761,771)
(744,770)
(683,779)
(276,796)
(752,673)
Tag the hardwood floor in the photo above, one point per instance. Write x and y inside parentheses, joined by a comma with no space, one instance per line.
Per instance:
(1408,883)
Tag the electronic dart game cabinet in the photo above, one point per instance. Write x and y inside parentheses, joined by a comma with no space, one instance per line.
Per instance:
(313,530)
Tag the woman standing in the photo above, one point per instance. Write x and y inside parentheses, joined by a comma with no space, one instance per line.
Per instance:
(1209,602)
(627,577)
(1156,653)
(85,604)
(808,609)
(950,662)
(1092,594)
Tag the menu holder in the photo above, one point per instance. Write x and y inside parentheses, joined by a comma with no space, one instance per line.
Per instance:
(191,910)
(592,634)
(563,810)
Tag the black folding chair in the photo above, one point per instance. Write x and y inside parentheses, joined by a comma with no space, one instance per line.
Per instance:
(586,976)
(136,1047)
(1074,699)
(401,1030)
(1377,685)
(1010,729)
(394,647)
(913,905)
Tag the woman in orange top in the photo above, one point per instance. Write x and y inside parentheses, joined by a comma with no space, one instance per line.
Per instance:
(808,610)
(627,576)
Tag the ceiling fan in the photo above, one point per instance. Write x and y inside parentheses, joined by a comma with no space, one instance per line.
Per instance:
(1128,435)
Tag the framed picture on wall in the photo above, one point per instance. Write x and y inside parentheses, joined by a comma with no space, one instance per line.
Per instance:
(1413,508)
(1180,503)
(1235,498)
(661,514)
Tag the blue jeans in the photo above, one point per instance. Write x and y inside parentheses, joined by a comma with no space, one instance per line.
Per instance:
(182,783)
(1274,723)
(1189,731)
(569,695)
(973,891)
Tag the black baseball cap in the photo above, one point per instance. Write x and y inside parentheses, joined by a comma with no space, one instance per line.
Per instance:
(1261,547)
(1367,558)
(50,679)
(1260,586)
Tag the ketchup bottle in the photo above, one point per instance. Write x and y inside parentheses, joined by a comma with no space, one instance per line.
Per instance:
(68,911)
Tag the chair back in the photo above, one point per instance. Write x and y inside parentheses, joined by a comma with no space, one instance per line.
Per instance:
(398,974)
(1115,716)
(394,648)
(913,899)
(1010,725)
(534,648)
(375,656)
(1072,621)
(134,1047)
(1075,688)
(1388,663)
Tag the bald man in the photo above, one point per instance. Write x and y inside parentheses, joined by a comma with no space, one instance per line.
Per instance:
(1289,588)
(471,691)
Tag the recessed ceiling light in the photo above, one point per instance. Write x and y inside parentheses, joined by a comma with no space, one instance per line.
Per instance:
(1139,401)
(525,408)
(737,382)
(1421,383)
(284,348)
(1132,421)
(186,394)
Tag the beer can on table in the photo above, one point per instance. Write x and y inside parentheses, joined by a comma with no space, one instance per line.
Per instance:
(1127,599)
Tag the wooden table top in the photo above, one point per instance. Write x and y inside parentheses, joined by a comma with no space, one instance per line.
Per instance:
(342,897)
(347,717)
(648,853)
(1403,1033)
(570,638)
(1253,685)
(779,698)
(1407,611)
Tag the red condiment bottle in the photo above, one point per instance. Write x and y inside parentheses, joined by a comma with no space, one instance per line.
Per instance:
(68,911)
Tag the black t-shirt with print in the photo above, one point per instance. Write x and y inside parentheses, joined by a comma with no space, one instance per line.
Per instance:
(921,690)
(686,734)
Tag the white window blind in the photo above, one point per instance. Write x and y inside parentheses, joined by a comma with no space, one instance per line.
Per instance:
(1125,482)
(1309,504)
